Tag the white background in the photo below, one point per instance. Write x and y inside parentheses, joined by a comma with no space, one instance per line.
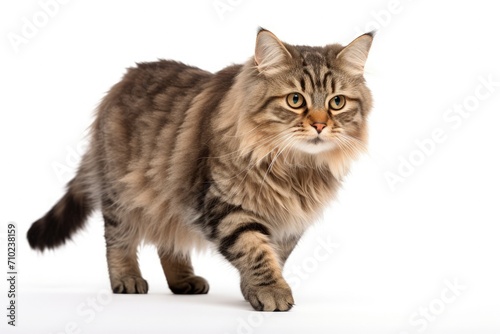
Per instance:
(397,247)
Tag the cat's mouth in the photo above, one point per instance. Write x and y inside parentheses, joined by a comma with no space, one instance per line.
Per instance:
(316,145)
(316,140)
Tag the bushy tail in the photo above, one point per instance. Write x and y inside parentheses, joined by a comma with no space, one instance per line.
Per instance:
(63,220)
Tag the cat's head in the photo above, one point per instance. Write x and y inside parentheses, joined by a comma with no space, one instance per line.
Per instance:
(306,102)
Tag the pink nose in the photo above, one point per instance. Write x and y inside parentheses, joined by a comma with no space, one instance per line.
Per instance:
(319,126)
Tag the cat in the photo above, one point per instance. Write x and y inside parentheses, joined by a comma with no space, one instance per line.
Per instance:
(244,159)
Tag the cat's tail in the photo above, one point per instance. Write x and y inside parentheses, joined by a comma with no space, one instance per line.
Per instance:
(65,218)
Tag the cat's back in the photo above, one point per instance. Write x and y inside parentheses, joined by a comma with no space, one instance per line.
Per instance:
(155,86)
(147,106)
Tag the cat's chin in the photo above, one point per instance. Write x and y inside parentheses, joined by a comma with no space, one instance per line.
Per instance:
(315,146)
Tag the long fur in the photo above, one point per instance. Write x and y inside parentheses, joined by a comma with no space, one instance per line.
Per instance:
(183,158)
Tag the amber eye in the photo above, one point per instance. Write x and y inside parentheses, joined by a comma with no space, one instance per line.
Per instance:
(295,100)
(337,102)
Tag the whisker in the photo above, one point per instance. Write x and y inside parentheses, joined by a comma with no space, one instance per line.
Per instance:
(288,142)
(349,145)
(238,151)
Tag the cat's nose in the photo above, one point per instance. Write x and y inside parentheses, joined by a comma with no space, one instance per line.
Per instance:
(319,126)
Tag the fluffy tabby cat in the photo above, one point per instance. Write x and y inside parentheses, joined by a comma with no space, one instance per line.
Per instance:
(244,159)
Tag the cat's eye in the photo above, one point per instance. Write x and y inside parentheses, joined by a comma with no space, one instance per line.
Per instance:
(337,102)
(295,100)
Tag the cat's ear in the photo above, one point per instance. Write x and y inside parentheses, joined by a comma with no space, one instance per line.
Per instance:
(354,55)
(270,53)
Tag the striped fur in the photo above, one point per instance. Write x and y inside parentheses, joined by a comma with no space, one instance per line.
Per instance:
(183,159)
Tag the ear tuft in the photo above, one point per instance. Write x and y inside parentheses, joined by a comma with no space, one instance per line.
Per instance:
(355,54)
(270,53)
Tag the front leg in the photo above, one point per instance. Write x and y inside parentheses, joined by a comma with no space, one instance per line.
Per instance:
(245,242)
(286,246)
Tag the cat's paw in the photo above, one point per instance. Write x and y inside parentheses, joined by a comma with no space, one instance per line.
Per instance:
(130,284)
(275,297)
(192,285)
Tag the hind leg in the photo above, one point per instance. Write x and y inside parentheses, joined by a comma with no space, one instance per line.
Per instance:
(121,253)
(180,274)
